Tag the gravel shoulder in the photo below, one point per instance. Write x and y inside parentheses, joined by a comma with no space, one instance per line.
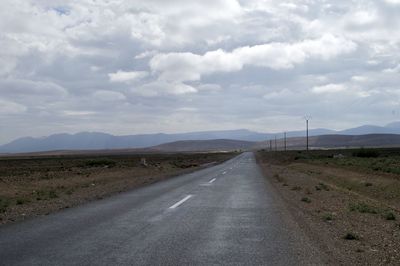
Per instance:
(352,215)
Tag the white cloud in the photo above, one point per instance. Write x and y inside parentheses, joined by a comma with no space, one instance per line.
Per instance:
(190,67)
(329,88)
(122,76)
(394,2)
(395,69)
(159,88)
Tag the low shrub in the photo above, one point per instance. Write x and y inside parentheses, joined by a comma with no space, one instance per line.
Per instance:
(100,163)
(306,200)
(327,217)
(4,204)
(366,153)
(390,216)
(362,208)
(351,236)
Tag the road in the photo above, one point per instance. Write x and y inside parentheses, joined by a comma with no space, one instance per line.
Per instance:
(227,214)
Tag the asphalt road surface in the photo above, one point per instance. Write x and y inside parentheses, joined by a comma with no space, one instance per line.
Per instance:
(223,215)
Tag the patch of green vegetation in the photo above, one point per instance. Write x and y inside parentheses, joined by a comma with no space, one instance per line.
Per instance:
(322,186)
(327,217)
(22,201)
(306,200)
(362,207)
(4,204)
(351,236)
(100,163)
(46,194)
(366,153)
(390,216)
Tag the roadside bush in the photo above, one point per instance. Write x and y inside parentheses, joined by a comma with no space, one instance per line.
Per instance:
(322,186)
(327,217)
(22,201)
(100,162)
(366,153)
(4,203)
(390,216)
(362,208)
(306,200)
(351,236)
(46,194)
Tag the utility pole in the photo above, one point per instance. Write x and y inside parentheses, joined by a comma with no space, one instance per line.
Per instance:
(270,144)
(307,118)
(276,147)
(307,132)
(285,140)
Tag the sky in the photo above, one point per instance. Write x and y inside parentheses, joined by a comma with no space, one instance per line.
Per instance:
(129,67)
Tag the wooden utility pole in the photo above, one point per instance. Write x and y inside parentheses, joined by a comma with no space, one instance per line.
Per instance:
(270,144)
(307,132)
(284,137)
(276,146)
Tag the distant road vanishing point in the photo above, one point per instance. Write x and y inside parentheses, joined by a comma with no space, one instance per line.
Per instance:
(223,215)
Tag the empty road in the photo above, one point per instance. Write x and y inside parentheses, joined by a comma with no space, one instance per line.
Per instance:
(223,215)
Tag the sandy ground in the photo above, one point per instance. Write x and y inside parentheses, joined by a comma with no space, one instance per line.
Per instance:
(31,186)
(352,215)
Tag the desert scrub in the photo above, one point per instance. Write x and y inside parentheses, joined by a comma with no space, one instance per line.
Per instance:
(322,186)
(351,236)
(389,215)
(4,204)
(366,153)
(362,207)
(22,201)
(327,217)
(100,163)
(306,200)
(46,194)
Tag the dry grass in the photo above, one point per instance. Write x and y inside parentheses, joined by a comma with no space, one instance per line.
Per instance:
(347,200)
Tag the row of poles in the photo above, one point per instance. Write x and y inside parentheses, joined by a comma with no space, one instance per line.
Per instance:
(284,139)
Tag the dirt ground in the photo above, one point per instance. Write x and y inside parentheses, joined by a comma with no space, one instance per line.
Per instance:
(350,210)
(31,186)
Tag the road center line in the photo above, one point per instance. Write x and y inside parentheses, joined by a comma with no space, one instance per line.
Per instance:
(212,180)
(180,202)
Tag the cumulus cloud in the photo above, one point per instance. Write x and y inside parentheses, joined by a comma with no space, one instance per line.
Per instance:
(158,88)
(122,76)
(329,88)
(190,67)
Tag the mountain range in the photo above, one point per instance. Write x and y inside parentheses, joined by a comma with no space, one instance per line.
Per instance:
(103,141)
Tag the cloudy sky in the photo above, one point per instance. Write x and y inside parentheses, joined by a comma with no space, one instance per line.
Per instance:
(127,67)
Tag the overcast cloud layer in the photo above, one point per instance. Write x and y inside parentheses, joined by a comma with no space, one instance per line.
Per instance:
(128,67)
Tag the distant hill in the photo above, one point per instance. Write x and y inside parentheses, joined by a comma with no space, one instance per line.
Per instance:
(103,141)
(205,145)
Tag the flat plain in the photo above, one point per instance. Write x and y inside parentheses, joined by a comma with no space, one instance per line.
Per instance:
(348,201)
(39,185)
